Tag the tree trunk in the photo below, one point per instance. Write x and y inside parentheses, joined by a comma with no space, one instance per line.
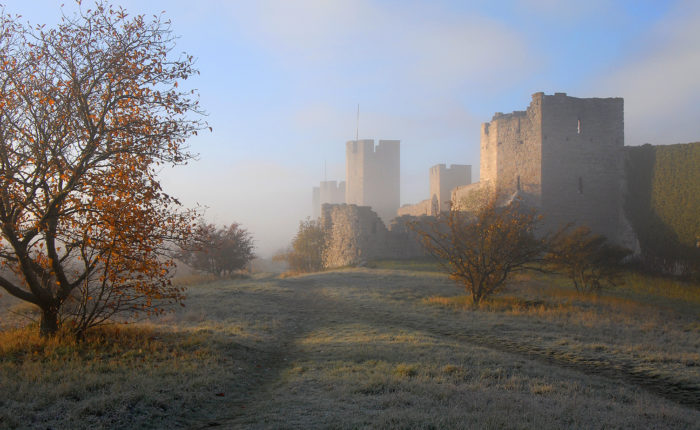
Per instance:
(49,321)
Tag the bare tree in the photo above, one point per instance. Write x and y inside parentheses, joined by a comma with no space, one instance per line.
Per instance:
(481,250)
(589,260)
(219,251)
(89,110)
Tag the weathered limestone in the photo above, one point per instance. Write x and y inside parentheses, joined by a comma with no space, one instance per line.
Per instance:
(424,207)
(565,155)
(356,234)
(443,180)
(373,175)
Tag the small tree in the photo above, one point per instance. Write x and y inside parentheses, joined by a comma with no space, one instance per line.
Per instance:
(481,251)
(588,259)
(306,254)
(219,251)
(89,111)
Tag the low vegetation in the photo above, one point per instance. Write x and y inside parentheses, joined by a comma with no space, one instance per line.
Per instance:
(384,347)
(306,252)
(219,251)
(588,260)
(482,250)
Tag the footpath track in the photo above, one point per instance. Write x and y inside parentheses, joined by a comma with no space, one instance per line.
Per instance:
(311,308)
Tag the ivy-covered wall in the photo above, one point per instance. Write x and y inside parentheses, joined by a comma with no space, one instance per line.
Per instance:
(663,202)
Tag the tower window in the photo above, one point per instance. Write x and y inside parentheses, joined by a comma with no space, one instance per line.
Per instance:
(578,126)
(580,185)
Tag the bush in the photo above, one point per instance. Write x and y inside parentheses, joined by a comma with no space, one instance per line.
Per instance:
(588,259)
(481,251)
(306,253)
(219,251)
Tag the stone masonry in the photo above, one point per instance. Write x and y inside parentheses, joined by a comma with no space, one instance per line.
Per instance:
(373,176)
(443,180)
(564,155)
(356,235)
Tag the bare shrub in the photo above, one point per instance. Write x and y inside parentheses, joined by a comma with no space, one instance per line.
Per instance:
(589,260)
(481,250)
(219,250)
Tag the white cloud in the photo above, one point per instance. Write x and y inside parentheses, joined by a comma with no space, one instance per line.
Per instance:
(404,45)
(659,81)
(567,11)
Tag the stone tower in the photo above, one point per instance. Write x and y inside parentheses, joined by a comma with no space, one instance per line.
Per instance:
(331,192)
(442,180)
(564,155)
(373,176)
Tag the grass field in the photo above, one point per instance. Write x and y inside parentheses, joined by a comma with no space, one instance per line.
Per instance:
(396,345)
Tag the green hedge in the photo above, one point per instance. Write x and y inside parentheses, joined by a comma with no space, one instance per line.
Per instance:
(663,201)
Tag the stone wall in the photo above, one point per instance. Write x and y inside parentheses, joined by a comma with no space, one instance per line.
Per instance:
(373,175)
(583,162)
(424,207)
(443,180)
(471,197)
(564,155)
(662,203)
(356,235)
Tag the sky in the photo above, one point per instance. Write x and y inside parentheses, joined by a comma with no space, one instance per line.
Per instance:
(281,82)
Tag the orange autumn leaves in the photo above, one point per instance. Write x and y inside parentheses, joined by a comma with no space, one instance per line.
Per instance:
(88,111)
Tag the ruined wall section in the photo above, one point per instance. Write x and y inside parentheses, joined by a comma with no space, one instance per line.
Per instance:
(443,180)
(583,162)
(472,197)
(355,234)
(373,176)
(424,207)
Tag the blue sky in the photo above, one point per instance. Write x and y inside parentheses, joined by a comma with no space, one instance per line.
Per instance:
(281,81)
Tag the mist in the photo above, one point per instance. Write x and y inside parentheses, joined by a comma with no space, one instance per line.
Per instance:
(282,98)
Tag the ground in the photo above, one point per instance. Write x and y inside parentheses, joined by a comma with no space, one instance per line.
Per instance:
(395,346)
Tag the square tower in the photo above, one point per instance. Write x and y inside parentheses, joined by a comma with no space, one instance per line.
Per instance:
(373,176)
(443,180)
(564,155)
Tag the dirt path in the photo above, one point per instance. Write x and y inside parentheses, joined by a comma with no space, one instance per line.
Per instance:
(312,306)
